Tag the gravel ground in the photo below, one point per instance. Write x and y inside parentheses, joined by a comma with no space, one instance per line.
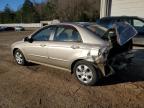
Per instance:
(37,86)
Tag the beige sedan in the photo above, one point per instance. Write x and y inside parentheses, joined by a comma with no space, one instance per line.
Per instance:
(66,46)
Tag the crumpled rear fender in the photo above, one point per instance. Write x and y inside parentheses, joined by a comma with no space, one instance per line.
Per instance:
(97,61)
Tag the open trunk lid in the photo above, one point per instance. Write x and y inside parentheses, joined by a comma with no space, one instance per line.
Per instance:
(124,32)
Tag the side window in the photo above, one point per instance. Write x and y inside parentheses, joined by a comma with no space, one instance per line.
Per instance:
(106,23)
(128,20)
(67,34)
(138,23)
(120,19)
(124,20)
(43,35)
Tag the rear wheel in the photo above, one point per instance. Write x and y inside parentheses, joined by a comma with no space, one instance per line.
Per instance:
(85,72)
(19,57)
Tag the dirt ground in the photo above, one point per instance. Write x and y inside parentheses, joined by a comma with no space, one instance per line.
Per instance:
(38,86)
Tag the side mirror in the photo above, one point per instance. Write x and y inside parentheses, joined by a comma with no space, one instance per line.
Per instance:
(27,39)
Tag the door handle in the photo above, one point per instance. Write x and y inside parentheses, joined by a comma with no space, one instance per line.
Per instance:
(75,47)
(42,45)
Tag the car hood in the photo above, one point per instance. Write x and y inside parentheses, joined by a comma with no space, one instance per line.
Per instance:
(124,32)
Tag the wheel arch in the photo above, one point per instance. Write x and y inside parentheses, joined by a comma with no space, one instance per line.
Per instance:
(100,74)
(14,50)
(73,63)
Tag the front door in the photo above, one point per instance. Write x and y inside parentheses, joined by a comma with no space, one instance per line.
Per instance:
(37,50)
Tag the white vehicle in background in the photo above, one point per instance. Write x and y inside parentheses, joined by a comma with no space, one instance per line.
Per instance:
(19,28)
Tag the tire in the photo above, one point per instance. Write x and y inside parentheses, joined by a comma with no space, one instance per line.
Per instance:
(19,57)
(86,73)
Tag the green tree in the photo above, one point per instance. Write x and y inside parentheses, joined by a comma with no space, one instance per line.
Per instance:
(8,16)
(28,13)
(49,11)
(18,16)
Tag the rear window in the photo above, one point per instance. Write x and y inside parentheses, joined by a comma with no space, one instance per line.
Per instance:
(99,32)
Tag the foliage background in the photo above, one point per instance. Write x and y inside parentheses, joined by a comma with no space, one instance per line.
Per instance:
(64,10)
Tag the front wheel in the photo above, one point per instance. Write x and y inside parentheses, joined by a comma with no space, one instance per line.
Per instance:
(19,57)
(85,72)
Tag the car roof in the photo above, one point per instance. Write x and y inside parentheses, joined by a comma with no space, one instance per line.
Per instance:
(93,24)
(88,36)
(99,26)
(79,24)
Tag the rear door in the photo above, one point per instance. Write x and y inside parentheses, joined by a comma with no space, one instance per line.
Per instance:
(65,46)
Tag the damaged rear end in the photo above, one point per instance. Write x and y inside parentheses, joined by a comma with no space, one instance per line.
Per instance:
(118,56)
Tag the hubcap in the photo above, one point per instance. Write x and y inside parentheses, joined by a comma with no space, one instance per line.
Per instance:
(19,57)
(84,73)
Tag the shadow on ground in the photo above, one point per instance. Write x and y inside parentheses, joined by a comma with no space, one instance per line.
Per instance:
(135,72)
